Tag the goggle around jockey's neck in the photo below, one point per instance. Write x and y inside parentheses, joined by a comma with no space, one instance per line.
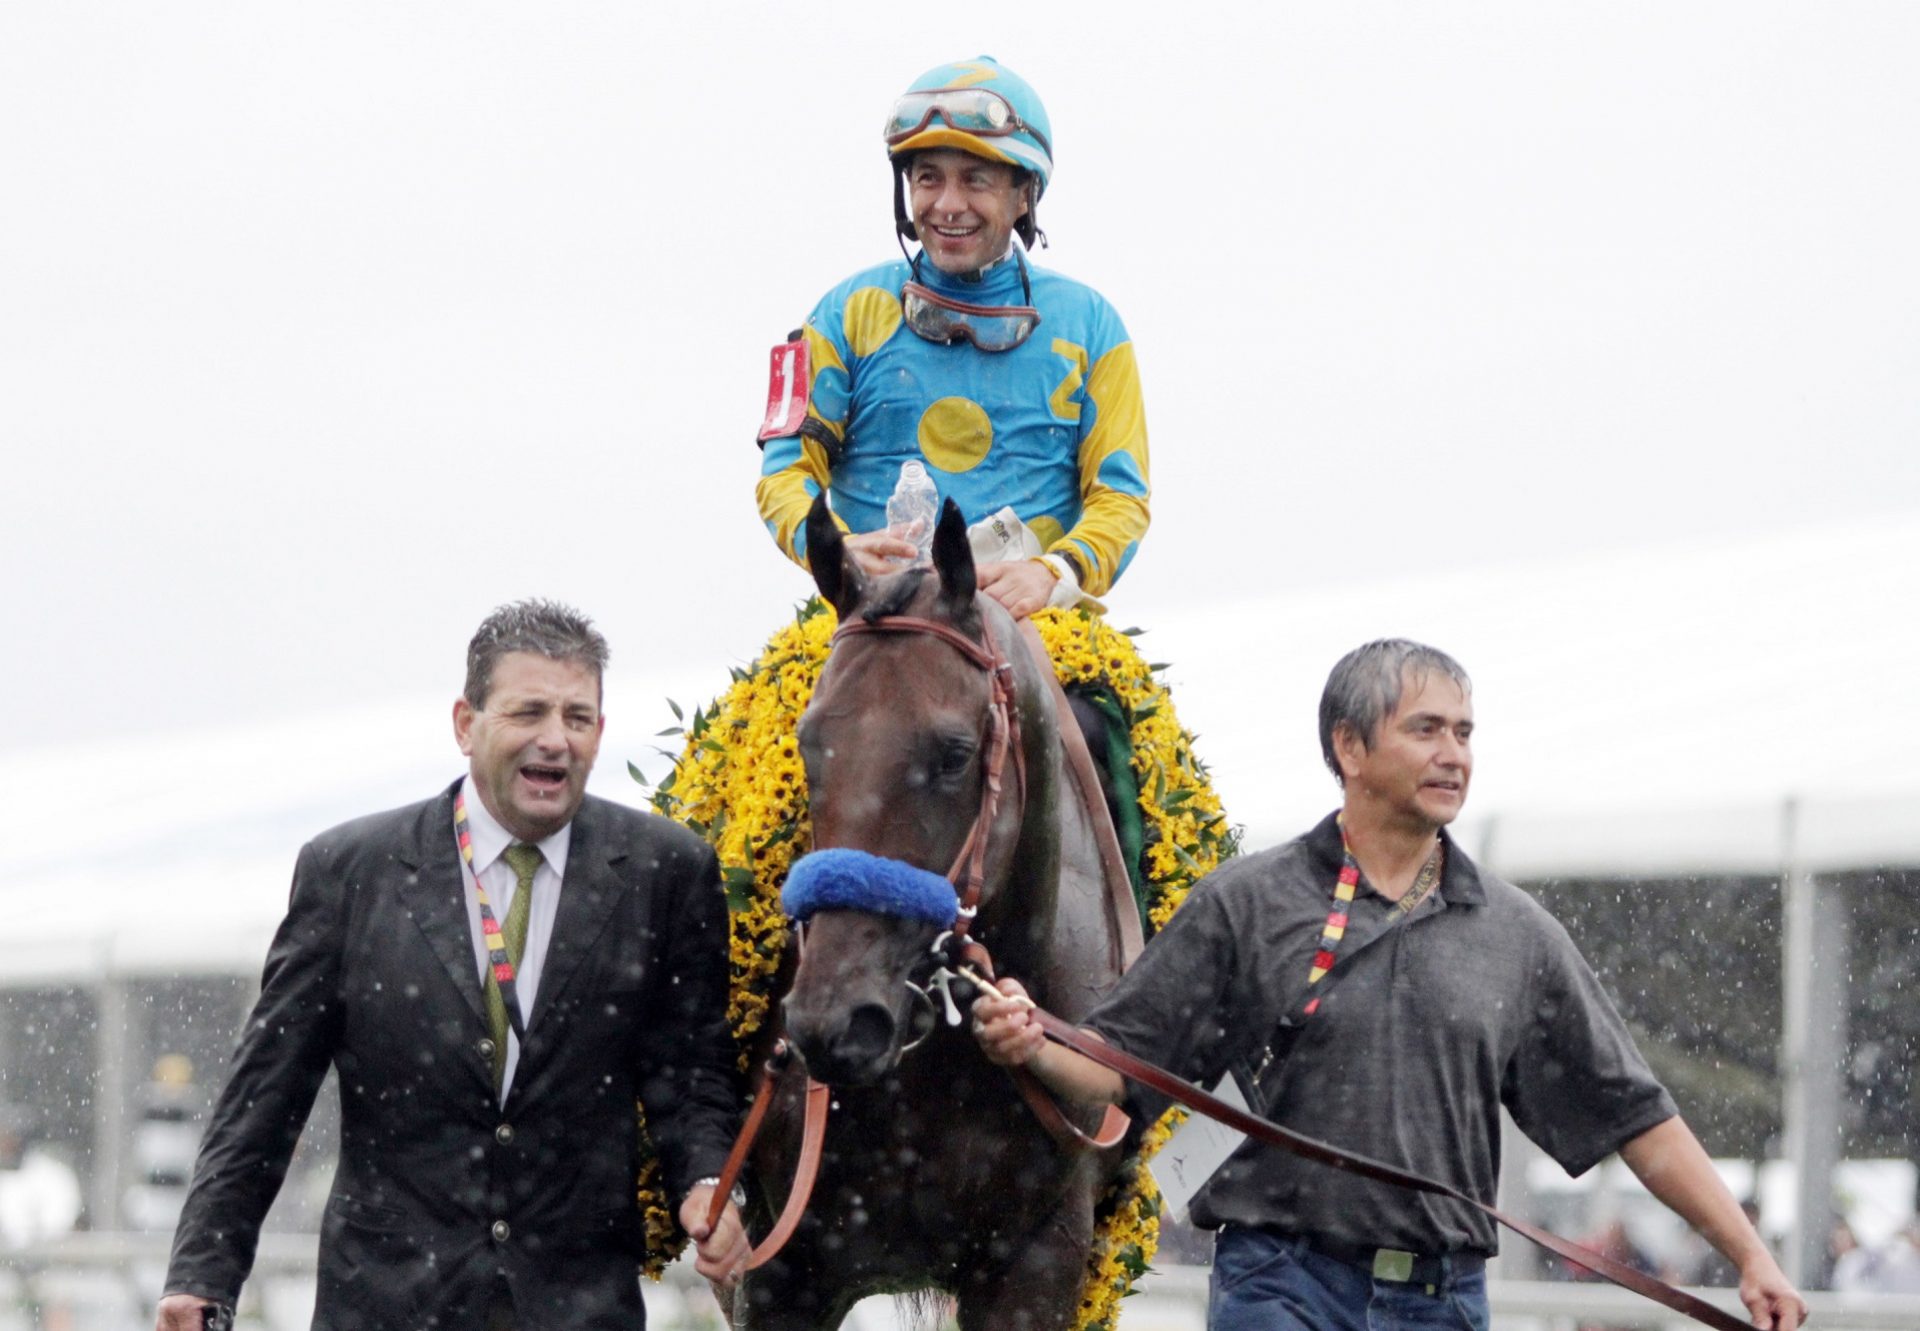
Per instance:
(942,319)
(971,110)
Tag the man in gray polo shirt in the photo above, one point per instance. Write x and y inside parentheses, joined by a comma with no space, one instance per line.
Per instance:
(1383,994)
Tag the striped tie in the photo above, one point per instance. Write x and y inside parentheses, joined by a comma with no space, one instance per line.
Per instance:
(524,860)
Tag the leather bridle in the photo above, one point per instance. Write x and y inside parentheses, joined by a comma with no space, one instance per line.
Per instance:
(957,949)
(968,872)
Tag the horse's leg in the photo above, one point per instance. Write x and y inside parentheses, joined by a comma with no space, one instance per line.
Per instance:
(796,1291)
(1035,1283)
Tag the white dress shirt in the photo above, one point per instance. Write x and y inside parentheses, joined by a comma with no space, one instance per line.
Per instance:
(490,842)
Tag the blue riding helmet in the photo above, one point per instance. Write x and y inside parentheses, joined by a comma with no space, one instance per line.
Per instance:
(979,107)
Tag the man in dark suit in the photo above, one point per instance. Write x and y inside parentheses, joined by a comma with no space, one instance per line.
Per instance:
(497,974)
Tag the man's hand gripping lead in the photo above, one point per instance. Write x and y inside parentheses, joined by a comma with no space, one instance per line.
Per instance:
(1002,1025)
(720,1253)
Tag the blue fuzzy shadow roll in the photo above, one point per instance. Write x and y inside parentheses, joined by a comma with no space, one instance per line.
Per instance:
(854,880)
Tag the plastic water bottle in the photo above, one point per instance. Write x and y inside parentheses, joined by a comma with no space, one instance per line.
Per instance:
(911,510)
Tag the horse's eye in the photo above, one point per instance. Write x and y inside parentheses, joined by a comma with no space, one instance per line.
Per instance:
(955,754)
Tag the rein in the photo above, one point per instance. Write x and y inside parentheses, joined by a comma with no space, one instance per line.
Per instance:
(1186,1093)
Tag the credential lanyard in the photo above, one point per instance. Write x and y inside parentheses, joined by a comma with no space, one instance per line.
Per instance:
(1327,951)
(489,926)
(1335,929)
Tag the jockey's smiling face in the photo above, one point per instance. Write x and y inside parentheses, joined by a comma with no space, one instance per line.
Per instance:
(964,208)
(1416,769)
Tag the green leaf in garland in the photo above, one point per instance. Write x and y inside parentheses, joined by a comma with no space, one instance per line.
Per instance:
(739,885)
(678,715)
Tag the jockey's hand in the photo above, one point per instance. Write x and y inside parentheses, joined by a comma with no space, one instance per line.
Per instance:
(1772,1301)
(1001,1026)
(878,552)
(180,1312)
(720,1254)
(1021,585)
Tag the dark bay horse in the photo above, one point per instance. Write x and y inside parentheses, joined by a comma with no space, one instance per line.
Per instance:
(935,1175)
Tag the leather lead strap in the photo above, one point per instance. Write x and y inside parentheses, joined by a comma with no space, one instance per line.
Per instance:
(1186,1093)
(737,1157)
(1113,1125)
(813,1135)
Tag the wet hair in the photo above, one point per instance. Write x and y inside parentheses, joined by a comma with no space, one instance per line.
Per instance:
(545,628)
(1364,688)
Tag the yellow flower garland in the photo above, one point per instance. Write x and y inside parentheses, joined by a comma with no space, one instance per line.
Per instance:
(739,783)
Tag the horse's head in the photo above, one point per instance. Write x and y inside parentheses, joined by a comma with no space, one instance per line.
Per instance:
(902,747)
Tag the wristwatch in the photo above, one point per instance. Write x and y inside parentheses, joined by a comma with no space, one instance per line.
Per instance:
(738,1196)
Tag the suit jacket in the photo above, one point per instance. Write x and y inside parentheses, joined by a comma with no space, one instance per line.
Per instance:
(441,1191)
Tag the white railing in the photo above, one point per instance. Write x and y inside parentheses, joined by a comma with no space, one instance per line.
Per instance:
(110,1282)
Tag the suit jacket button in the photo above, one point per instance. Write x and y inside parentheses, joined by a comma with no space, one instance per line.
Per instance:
(503,1134)
(484,1049)
(501,1231)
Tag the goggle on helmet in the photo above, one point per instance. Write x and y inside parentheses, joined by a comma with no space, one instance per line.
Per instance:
(978,107)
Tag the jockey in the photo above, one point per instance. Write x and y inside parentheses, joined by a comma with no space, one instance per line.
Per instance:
(1013,385)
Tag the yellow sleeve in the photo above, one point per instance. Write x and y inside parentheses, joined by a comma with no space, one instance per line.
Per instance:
(1114,486)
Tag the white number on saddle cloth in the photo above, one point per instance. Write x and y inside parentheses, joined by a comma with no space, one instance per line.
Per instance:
(1196,1151)
(786,391)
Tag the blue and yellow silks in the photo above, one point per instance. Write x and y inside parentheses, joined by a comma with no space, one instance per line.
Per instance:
(1054,428)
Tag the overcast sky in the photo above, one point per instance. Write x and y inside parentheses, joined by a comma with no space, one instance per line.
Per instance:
(325,328)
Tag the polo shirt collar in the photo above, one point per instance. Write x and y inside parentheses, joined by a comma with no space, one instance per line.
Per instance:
(1460,883)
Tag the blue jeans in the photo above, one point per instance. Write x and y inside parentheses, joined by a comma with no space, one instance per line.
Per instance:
(1262,1282)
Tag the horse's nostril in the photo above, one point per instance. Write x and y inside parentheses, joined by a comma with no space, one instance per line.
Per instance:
(843,1053)
(868,1037)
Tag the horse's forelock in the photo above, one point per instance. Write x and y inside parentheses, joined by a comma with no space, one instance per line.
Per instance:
(914,591)
(892,595)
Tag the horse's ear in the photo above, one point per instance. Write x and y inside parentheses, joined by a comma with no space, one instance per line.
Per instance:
(834,571)
(953,560)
